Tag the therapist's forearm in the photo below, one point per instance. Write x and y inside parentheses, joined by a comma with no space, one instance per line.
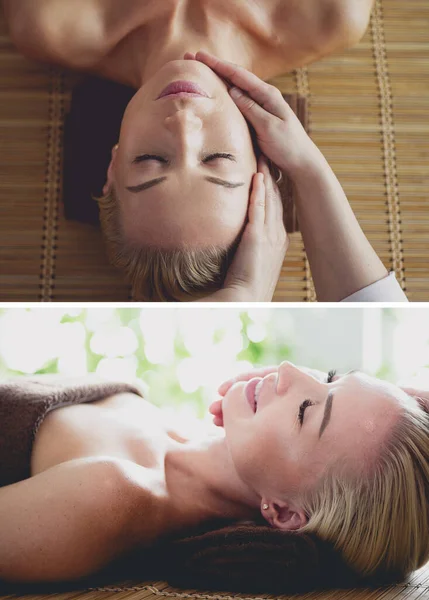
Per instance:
(342,260)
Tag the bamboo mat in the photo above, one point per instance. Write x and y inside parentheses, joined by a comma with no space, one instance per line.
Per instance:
(368,112)
(415,588)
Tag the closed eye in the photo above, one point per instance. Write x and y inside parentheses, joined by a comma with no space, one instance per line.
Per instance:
(331,376)
(302,408)
(206,159)
(308,402)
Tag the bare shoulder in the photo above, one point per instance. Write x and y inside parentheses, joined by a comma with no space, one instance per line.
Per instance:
(322,26)
(73,519)
(348,18)
(70,33)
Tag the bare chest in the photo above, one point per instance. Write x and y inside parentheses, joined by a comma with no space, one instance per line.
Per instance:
(267,30)
(123,426)
(193,16)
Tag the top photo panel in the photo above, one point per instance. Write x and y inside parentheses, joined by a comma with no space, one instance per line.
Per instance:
(214,151)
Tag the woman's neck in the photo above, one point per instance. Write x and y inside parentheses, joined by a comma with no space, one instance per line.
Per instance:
(202,484)
(155,46)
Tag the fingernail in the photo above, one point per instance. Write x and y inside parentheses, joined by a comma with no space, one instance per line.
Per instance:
(235,92)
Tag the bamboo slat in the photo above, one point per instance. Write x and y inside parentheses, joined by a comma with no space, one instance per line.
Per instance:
(415,588)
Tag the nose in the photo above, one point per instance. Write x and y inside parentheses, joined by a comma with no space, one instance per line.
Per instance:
(289,374)
(184,121)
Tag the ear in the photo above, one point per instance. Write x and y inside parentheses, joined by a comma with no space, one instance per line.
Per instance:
(422,396)
(283,515)
(110,170)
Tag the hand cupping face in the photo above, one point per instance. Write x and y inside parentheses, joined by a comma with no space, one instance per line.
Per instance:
(259,258)
(255,269)
(280,135)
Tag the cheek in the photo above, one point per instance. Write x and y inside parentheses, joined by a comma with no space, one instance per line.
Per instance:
(264,455)
(229,209)
(276,457)
(224,214)
(255,457)
(134,116)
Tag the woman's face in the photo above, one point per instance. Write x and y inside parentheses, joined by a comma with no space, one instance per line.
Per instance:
(185,209)
(275,454)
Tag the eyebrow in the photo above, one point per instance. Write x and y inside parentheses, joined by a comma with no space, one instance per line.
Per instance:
(145,186)
(326,414)
(328,406)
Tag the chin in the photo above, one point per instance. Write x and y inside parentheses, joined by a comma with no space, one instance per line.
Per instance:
(234,402)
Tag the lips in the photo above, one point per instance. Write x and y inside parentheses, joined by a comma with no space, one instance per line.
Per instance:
(249,392)
(183,87)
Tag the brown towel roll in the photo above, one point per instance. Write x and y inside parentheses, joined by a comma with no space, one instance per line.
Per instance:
(254,558)
(24,403)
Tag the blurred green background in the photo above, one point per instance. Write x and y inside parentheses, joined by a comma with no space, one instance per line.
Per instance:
(183,354)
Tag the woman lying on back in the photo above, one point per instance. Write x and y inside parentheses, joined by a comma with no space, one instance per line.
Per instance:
(343,456)
(183,189)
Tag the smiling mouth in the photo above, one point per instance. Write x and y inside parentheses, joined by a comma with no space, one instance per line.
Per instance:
(258,389)
(252,391)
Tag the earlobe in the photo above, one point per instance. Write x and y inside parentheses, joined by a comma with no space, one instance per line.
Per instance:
(284,516)
(289,518)
(266,511)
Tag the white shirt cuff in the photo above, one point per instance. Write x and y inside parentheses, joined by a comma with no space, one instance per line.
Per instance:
(384,290)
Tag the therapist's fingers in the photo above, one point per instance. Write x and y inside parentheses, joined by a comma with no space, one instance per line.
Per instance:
(274,212)
(265,95)
(215,407)
(257,201)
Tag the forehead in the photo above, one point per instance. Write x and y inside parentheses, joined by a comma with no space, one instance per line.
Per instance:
(373,389)
(363,413)
(366,401)
(168,215)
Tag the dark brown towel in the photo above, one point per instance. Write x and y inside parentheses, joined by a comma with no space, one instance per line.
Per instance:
(247,557)
(92,129)
(255,558)
(24,403)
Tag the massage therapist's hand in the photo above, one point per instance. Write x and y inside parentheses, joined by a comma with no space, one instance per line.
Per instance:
(280,135)
(342,260)
(255,269)
(259,258)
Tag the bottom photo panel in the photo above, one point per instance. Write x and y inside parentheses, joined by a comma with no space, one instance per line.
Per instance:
(214,453)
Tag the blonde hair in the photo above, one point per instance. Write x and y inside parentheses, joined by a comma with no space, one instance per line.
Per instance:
(162,275)
(378,519)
